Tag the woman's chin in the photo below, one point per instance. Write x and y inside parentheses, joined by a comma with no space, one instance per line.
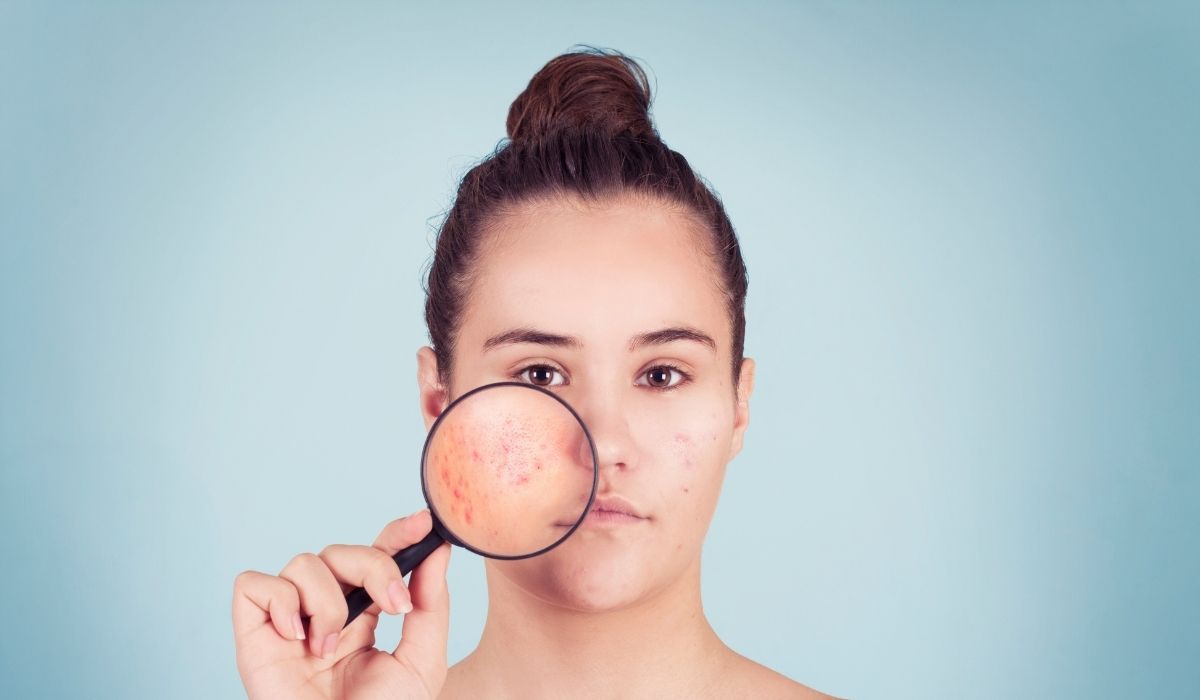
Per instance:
(584,583)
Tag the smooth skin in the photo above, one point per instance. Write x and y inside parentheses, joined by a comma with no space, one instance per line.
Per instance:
(617,306)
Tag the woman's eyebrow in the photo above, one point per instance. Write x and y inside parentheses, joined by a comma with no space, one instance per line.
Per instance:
(670,335)
(529,335)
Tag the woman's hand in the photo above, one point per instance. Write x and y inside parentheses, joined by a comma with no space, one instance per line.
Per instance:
(278,658)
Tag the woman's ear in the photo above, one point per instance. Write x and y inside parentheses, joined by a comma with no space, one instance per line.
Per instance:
(434,396)
(741,412)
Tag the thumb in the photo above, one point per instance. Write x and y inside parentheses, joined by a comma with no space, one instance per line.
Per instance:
(424,636)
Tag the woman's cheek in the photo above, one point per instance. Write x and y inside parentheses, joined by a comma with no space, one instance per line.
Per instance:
(684,452)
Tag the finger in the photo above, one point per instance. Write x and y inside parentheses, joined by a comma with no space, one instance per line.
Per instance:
(423,638)
(372,569)
(321,598)
(401,533)
(258,597)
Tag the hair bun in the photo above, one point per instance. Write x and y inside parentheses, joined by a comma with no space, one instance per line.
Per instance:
(594,89)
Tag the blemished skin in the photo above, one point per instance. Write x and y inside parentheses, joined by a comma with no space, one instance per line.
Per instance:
(617,307)
(508,470)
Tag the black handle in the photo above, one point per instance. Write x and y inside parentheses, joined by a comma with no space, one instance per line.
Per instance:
(407,559)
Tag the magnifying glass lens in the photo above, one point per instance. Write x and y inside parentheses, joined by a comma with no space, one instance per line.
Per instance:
(508,470)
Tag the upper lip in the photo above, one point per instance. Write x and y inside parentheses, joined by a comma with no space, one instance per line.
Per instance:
(616,504)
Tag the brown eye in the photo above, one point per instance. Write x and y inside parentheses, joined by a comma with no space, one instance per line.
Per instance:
(662,377)
(659,377)
(542,375)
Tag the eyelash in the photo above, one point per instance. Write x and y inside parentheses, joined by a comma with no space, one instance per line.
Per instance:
(684,377)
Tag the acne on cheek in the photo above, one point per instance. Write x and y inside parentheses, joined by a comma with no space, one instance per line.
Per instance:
(455,485)
(684,447)
(489,472)
(519,454)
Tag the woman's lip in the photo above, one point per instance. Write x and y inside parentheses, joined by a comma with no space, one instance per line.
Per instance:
(615,505)
(599,516)
(612,510)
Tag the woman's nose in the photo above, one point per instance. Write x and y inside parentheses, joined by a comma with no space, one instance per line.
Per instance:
(609,426)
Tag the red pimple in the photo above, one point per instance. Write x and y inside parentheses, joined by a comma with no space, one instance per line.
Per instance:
(457,494)
(468,516)
(521,479)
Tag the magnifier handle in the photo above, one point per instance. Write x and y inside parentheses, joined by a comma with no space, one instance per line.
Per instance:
(407,559)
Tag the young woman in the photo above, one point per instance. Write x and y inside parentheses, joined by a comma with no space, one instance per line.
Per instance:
(587,257)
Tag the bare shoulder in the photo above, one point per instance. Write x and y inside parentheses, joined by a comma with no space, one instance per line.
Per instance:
(747,678)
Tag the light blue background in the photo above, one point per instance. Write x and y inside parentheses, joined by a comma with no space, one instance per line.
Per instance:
(973,232)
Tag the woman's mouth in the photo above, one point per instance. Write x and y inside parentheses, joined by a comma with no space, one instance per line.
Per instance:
(613,511)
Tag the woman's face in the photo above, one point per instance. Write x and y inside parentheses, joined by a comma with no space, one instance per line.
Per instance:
(618,308)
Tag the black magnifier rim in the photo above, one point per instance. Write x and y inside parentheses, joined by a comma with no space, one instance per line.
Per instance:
(452,536)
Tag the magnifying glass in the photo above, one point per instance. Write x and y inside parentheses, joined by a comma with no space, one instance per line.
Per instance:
(508,471)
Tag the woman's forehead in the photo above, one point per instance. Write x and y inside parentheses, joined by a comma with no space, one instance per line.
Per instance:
(605,272)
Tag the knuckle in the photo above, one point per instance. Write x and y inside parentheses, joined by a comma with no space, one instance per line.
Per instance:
(245,579)
(305,560)
(330,549)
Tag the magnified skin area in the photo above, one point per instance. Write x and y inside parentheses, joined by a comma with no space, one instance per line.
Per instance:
(509,470)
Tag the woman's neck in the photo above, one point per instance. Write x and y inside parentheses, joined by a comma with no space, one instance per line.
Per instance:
(660,646)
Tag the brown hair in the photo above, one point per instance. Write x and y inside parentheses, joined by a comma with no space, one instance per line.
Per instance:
(581,128)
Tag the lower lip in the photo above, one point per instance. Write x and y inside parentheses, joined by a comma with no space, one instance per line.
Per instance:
(610,517)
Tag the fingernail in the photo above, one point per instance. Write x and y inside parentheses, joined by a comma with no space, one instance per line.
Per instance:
(400,602)
(297,626)
(330,645)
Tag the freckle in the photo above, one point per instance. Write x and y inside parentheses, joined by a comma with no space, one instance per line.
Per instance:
(679,547)
(686,490)
(475,453)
